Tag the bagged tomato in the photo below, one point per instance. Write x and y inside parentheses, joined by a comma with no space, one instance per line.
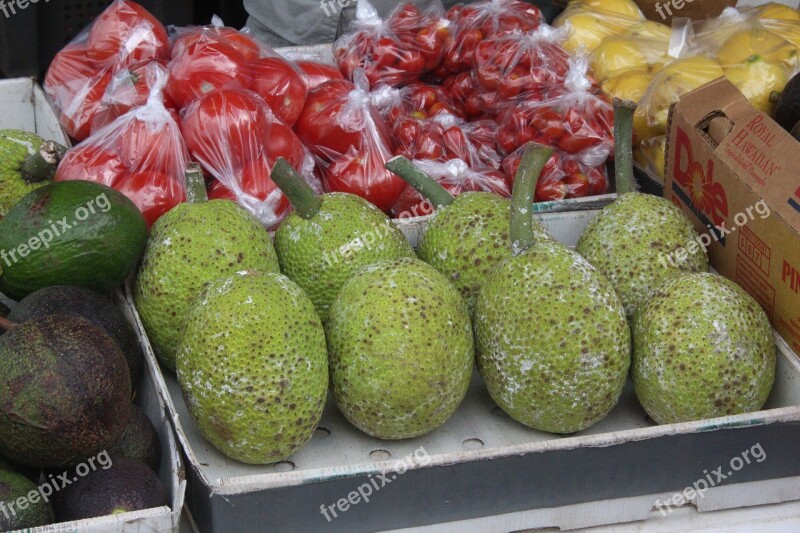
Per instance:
(564,176)
(443,138)
(236,138)
(466,94)
(350,142)
(77,79)
(395,51)
(205,58)
(419,100)
(140,154)
(472,23)
(455,175)
(314,71)
(580,121)
(128,88)
(522,66)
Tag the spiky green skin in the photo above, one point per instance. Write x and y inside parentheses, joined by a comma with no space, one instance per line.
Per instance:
(401,349)
(64,391)
(322,253)
(97,253)
(253,366)
(15,146)
(702,348)
(13,486)
(466,240)
(631,242)
(190,247)
(552,340)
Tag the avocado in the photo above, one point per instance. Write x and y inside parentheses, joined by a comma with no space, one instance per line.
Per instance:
(70,233)
(65,391)
(467,236)
(327,238)
(21,505)
(94,307)
(140,440)
(189,247)
(28,472)
(401,349)
(252,366)
(125,485)
(787,106)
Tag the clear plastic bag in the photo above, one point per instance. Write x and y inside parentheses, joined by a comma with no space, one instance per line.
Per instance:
(618,55)
(418,100)
(579,121)
(563,177)
(140,154)
(205,58)
(314,71)
(77,79)
(651,155)
(396,51)
(236,138)
(466,94)
(589,22)
(455,175)
(472,23)
(522,66)
(350,142)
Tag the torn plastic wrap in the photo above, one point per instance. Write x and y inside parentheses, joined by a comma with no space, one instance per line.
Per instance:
(236,138)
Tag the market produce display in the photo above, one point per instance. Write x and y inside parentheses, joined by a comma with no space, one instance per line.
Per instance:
(14,485)
(196,144)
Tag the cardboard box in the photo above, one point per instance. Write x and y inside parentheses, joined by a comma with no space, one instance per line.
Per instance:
(665,10)
(734,171)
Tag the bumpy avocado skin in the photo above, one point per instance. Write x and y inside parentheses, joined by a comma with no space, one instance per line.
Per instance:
(65,391)
(631,242)
(401,349)
(190,247)
(322,253)
(253,366)
(466,240)
(14,485)
(139,440)
(702,348)
(552,340)
(94,307)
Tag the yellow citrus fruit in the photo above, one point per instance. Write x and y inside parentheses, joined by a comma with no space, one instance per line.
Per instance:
(628,86)
(756,78)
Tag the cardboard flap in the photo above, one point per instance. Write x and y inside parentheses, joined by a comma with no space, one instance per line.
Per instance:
(715,99)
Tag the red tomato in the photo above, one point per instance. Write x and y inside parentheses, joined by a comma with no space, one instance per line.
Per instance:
(242,43)
(363,174)
(153,192)
(283,88)
(78,115)
(317,125)
(315,73)
(90,163)
(204,67)
(225,129)
(255,181)
(127,32)
(147,145)
(282,142)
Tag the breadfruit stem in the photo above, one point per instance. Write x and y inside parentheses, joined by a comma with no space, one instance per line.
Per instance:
(534,158)
(427,186)
(195,185)
(305,201)
(623,145)
(6,324)
(42,164)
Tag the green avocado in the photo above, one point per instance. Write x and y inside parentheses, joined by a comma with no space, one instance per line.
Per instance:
(21,505)
(140,440)
(70,233)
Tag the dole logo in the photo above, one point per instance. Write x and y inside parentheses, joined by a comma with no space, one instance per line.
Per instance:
(696,187)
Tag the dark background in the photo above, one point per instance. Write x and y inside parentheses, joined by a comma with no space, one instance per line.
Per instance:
(30,38)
